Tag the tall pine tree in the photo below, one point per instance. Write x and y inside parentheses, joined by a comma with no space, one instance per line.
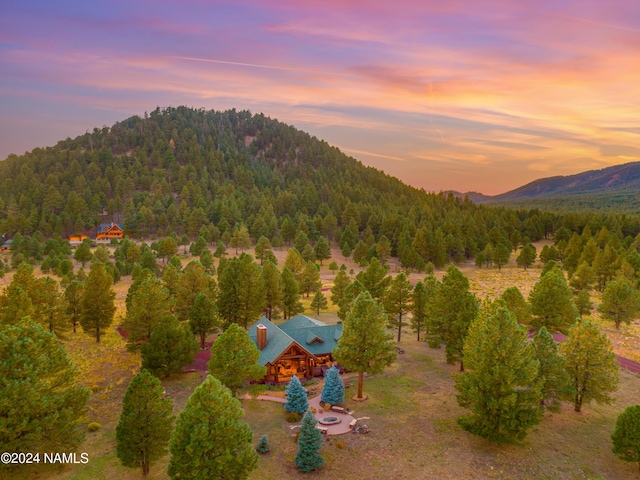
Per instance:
(500,386)
(309,441)
(145,423)
(210,440)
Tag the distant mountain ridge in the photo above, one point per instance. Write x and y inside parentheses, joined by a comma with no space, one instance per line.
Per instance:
(612,187)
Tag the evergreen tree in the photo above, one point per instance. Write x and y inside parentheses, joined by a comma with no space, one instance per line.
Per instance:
(171,347)
(72,297)
(203,318)
(240,239)
(97,305)
(296,264)
(620,302)
(500,386)
(527,256)
(296,397)
(501,254)
(419,305)
(552,303)
(42,401)
(350,294)
(322,250)
(149,303)
(210,440)
(383,249)
(310,281)
(83,252)
(397,301)
(626,436)
(206,260)
(309,442)
(583,277)
(333,388)
(234,359)
(583,303)
(193,281)
(517,305)
(242,291)
(364,345)
(263,245)
(263,445)
(375,279)
(340,283)
(553,373)
(319,302)
(273,287)
(591,365)
(221,250)
(145,423)
(291,305)
(450,313)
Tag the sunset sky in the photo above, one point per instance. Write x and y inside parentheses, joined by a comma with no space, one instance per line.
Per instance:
(482,95)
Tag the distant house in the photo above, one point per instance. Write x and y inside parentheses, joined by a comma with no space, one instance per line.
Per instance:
(107,231)
(301,346)
(76,239)
(6,245)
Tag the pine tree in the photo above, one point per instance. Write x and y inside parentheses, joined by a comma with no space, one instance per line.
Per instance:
(263,445)
(591,365)
(419,301)
(333,388)
(42,400)
(319,302)
(291,305)
(145,423)
(552,303)
(310,280)
(263,245)
(203,318)
(72,296)
(340,283)
(322,249)
(171,347)
(375,279)
(527,256)
(273,287)
(193,281)
(149,303)
(620,302)
(500,386)
(383,249)
(365,345)
(309,442)
(501,255)
(397,301)
(296,397)
(234,359)
(626,436)
(517,305)
(83,252)
(450,313)
(553,374)
(97,305)
(210,440)
(583,303)
(242,292)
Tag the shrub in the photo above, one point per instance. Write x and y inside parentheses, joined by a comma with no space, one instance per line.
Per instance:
(293,417)
(263,445)
(339,444)
(93,426)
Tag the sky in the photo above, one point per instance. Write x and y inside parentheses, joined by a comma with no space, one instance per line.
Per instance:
(468,95)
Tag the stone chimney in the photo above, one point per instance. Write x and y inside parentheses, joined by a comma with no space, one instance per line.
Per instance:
(261,332)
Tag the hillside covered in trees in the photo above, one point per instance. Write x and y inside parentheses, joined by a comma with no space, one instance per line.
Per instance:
(179,169)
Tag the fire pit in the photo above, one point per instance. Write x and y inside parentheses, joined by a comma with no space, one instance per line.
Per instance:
(329,420)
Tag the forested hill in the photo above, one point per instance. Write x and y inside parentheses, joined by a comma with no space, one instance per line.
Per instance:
(179,169)
(614,188)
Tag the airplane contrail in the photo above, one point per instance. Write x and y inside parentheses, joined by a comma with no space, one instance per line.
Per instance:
(257,65)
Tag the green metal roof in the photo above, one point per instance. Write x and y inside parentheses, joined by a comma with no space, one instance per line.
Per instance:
(300,329)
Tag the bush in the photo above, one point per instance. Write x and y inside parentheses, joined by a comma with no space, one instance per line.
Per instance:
(93,426)
(293,417)
(339,444)
(263,445)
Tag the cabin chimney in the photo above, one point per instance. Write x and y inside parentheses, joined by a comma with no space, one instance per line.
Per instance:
(261,331)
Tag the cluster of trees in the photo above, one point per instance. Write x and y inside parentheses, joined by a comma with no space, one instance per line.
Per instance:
(232,176)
